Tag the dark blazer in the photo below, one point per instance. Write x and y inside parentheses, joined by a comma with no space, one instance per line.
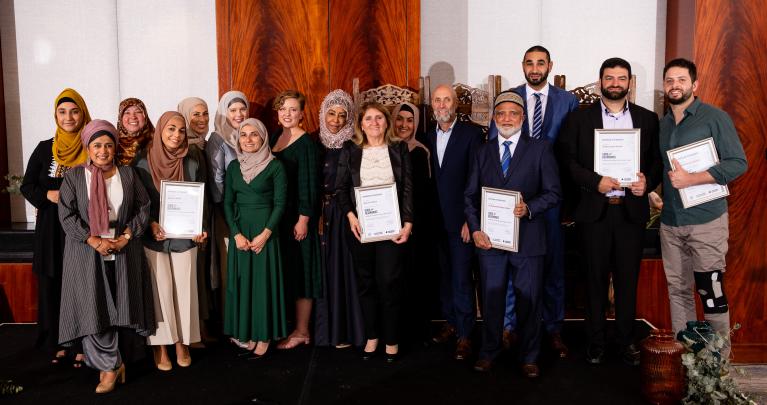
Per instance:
(561,103)
(348,177)
(450,179)
(533,172)
(575,148)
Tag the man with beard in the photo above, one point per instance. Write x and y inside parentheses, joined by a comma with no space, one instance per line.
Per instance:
(694,240)
(547,107)
(451,145)
(610,219)
(513,161)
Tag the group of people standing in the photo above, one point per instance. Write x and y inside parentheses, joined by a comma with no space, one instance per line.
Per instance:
(280,256)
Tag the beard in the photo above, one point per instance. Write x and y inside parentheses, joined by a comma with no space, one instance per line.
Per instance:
(444,119)
(543,78)
(684,97)
(508,132)
(614,95)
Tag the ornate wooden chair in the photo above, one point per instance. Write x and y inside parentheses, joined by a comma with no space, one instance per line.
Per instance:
(474,105)
(389,95)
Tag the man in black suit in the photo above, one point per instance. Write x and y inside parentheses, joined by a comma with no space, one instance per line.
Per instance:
(610,218)
(451,145)
(513,161)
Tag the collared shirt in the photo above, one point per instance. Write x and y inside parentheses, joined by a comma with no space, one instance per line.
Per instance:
(619,120)
(514,141)
(442,139)
(544,92)
(701,121)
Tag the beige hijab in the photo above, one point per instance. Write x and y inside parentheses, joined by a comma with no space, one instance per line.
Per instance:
(412,143)
(165,164)
(252,164)
(229,134)
(186,107)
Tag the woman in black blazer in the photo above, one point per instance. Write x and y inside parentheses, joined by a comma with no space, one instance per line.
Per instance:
(373,157)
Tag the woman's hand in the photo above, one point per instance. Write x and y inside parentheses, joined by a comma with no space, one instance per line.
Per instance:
(103,246)
(241,242)
(52,196)
(404,234)
(200,239)
(260,240)
(301,228)
(119,243)
(157,231)
(354,224)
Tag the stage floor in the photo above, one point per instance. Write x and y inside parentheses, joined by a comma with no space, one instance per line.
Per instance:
(310,375)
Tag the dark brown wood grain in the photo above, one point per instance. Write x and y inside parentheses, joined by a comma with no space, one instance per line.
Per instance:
(19,291)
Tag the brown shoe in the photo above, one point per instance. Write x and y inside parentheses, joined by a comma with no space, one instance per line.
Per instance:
(444,334)
(530,370)
(483,365)
(558,345)
(463,349)
(509,339)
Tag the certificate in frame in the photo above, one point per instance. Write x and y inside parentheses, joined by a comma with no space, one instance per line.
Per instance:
(498,220)
(616,154)
(378,212)
(697,157)
(181,208)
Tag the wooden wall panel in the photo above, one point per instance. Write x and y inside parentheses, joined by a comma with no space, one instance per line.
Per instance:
(18,293)
(730,55)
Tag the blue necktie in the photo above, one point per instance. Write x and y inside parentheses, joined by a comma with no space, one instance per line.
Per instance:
(506,158)
(537,117)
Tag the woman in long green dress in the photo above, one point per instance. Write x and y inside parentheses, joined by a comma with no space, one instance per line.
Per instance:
(254,201)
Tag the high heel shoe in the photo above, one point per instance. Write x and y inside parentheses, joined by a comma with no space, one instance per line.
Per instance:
(257,356)
(184,359)
(105,387)
(392,357)
(78,363)
(161,365)
(294,341)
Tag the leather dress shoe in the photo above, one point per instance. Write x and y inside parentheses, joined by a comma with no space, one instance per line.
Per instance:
(463,349)
(510,338)
(444,334)
(595,354)
(630,355)
(558,345)
(531,370)
(483,365)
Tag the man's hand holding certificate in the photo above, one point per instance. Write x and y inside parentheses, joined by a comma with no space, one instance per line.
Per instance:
(688,174)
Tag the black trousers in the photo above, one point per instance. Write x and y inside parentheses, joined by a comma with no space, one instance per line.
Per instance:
(378,268)
(612,244)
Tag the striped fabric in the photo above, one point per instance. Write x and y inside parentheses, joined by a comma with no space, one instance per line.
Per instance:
(537,117)
(506,158)
(87,306)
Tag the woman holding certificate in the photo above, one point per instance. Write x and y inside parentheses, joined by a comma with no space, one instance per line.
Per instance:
(375,158)
(254,200)
(173,262)
(106,283)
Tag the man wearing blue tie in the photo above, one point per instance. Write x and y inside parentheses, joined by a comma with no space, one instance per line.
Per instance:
(547,107)
(513,161)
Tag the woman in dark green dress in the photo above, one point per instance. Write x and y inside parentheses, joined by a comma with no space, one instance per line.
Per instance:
(254,201)
(299,241)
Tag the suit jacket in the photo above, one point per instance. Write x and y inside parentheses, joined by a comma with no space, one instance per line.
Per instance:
(533,172)
(450,178)
(348,177)
(576,149)
(561,103)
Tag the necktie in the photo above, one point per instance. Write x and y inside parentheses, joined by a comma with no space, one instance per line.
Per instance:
(506,158)
(537,117)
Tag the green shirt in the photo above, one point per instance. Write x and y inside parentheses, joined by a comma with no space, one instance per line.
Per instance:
(701,121)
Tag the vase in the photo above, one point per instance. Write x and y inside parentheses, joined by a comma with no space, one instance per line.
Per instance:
(662,372)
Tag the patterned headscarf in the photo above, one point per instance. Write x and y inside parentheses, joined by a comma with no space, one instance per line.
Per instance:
(67,146)
(98,207)
(252,164)
(344,100)
(228,133)
(186,108)
(165,164)
(130,144)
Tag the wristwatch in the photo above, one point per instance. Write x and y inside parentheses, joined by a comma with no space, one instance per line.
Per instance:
(127,236)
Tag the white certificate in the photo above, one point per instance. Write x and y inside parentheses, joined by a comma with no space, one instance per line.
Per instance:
(181,204)
(378,212)
(498,220)
(697,157)
(616,154)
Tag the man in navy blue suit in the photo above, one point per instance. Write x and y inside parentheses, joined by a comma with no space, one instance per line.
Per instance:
(546,108)
(452,144)
(513,161)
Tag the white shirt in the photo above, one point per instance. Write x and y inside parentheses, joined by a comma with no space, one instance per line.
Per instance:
(531,103)
(619,120)
(375,169)
(442,139)
(114,188)
(514,141)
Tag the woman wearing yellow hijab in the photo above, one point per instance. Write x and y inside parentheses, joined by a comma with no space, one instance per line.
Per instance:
(42,179)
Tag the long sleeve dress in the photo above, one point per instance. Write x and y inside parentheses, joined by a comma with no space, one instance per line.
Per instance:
(255,298)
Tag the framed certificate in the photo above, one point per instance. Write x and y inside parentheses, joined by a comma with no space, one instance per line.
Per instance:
(616,154)
(697,157)
(498,220)
(181,205)
(378,212)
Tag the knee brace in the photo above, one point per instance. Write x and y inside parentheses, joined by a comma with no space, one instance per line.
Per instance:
(710,286)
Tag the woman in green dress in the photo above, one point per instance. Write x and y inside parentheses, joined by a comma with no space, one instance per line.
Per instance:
(254,201)
(299,240)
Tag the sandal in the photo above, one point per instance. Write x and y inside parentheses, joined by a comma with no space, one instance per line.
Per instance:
(58,359)
(78,363)
(294,341)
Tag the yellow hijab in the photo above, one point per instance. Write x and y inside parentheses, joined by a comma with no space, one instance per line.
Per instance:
(68,146)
